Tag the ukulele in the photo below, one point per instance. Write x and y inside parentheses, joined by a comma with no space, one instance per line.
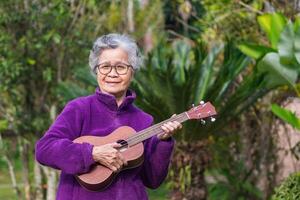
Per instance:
(132,149)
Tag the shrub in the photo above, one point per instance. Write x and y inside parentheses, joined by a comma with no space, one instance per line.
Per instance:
(289,188)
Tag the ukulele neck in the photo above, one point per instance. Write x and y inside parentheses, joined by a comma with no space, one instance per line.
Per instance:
(155,129)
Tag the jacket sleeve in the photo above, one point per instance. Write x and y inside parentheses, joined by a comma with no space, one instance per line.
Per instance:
(157,159)
(56,149)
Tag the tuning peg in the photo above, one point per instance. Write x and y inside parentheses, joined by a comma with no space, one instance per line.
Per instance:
(212,119)
(202,121)
(201,102)
(193,105)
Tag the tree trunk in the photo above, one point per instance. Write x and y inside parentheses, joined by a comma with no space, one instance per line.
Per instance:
(38,181)
(51,182)
(51,174)
(24,152)
(10,169)
(12,176)
(130,16)
(188,167)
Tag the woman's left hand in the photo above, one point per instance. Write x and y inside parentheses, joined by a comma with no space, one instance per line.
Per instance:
(169,129)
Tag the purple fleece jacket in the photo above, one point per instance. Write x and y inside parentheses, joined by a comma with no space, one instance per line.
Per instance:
(99,115)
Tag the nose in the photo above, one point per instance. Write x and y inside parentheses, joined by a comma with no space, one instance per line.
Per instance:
(113,72)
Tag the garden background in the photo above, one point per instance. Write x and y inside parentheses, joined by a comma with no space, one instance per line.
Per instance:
(241,55)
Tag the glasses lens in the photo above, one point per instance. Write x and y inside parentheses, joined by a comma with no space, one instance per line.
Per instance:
(104,69)
(121,69)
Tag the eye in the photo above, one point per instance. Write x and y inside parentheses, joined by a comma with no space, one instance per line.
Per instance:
(105,67)
(121,67)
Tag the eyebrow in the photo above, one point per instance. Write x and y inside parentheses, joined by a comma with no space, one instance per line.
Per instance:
(118,62)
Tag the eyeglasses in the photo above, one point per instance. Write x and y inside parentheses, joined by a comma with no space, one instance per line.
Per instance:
(121,68)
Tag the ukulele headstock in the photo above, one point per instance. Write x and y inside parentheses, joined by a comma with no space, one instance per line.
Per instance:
(202,111)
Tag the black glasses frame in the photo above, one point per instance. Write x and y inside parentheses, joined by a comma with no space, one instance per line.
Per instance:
(111,67)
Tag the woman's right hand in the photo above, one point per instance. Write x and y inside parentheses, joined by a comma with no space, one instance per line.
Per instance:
(109,156)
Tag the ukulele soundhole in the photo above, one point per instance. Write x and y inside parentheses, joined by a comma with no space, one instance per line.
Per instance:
(124,144)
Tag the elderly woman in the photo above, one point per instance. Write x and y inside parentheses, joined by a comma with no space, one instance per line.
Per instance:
(114,59)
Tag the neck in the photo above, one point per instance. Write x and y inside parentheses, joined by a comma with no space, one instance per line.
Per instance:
(154,130)
(120,98)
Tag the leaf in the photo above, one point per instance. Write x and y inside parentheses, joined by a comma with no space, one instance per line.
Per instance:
(297,45)
(181,60)
(286,45)
(68,90)
(205,75)
(272,24)
(84,75)
(254,51)
(47,74)
(3,125)
(296,24)
(276,74)
(31,61)
(286,115)
(56,38)
(234,63)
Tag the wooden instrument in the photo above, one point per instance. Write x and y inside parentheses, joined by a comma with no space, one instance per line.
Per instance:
(100,177)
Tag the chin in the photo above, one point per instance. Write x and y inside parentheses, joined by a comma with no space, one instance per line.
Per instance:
(114,91)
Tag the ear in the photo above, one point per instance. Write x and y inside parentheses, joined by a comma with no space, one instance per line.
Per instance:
(132,75)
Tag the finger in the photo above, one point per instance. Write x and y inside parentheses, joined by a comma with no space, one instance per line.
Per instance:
(119,160)
(115,145)
(165,129)
(113,168)
(161,135)
(170,126)
(173,115)
(179,125)
(115,163)
(176,125)
(124,161)
(118,165)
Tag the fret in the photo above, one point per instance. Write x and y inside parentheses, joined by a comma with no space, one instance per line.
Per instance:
(154,130)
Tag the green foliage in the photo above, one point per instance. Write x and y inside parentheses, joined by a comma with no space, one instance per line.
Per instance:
(254,51)
(201,77)
(232,186)
(3,125)
(278,62)
(230,20)
(276,74)
(230,175)
(289,188)
(286,115)
(272,24)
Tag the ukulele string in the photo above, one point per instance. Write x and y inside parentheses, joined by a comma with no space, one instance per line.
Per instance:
(144,133)
(152,130)
(156,129)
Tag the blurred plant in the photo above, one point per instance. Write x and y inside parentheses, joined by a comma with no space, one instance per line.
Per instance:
(288,189)
(230,20)
(181,18)
(286,115)
(282,58)
(232,184)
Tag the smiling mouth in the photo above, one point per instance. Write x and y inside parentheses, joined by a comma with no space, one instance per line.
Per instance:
(112,83)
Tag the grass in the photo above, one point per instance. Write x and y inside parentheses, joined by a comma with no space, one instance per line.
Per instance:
(7,193)
(6,190)
(159,194)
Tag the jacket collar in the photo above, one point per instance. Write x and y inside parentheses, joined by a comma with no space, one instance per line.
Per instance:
(110,100)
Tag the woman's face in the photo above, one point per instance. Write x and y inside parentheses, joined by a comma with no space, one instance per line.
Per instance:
(114,83)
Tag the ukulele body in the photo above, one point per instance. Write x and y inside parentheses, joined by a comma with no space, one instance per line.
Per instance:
(99,177)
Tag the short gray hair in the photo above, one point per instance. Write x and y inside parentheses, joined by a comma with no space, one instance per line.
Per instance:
(113,41)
